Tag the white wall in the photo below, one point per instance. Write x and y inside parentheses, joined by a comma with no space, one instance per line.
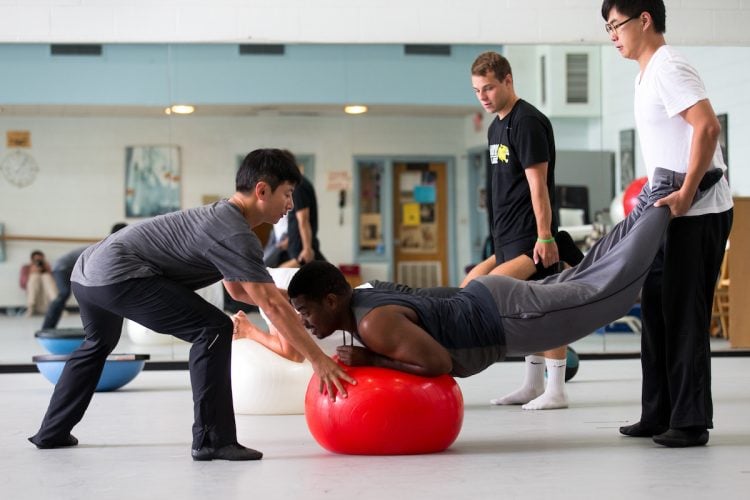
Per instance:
(79,191)
(715,22)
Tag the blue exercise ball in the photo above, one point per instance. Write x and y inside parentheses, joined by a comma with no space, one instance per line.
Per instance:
(119,369)
(60,340)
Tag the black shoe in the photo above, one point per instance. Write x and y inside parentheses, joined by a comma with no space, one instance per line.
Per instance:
(229,452)
(48,444)
(682,438)
(641,431)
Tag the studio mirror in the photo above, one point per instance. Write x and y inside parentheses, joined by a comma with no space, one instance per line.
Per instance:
(91,117)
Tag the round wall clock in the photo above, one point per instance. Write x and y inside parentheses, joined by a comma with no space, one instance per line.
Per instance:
(19,168)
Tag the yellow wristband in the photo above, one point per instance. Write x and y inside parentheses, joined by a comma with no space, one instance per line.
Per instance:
(542,240)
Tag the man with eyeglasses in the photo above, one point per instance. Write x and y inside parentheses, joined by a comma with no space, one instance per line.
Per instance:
(678,130)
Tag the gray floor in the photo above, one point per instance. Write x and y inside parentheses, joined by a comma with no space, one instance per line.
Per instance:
(135,444)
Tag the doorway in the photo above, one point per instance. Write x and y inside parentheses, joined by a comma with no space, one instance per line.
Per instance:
(420,223)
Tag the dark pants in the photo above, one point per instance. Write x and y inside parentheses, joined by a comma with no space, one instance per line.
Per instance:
(676,309)
(163,306)
(57,306)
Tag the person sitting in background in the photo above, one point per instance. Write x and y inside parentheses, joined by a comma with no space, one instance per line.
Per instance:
(36,279)
(61,272)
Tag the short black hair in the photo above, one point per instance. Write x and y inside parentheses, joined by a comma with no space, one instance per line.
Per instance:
(117,227)
(34,253)
(317,279)
(272,166)
(632,8)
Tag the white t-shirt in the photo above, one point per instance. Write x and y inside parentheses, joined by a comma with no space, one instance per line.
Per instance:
(667,87)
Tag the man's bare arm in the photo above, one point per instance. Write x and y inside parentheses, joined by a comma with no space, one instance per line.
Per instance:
(396,341)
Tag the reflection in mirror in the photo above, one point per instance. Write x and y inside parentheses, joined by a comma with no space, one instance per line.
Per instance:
(81,117)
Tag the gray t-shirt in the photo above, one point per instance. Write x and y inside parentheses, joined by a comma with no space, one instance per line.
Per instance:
(193,247)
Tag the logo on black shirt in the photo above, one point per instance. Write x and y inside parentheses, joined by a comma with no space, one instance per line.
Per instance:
(499,152)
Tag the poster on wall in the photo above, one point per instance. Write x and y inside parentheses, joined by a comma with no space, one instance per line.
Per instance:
(627,158)
(152,180)
(370,230)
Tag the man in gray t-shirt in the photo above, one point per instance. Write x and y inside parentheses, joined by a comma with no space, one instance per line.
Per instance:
(148,272)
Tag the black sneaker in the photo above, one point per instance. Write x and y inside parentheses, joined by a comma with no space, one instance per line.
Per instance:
(641,431)
(682,438)
(49,444)
(229,452)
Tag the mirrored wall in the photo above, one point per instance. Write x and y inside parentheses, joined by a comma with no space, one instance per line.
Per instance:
(89,122)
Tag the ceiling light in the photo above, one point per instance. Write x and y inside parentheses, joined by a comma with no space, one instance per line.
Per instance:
(180,109)
(355,109)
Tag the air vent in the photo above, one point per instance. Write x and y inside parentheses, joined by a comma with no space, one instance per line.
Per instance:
(577,78)
(253,49)
(427,50)
(75,50)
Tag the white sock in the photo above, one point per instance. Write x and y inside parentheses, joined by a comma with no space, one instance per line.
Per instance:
(554,396)
(533,384)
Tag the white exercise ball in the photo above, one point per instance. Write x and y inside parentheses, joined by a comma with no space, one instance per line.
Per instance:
(617,209)
(141,335)
(264,383)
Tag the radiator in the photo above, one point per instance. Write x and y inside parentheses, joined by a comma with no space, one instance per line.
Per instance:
(422,274)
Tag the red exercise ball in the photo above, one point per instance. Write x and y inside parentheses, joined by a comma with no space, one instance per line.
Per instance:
(388,412)
(630,198)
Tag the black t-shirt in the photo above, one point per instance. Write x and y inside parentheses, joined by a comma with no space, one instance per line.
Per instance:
(523,138)
(303,197)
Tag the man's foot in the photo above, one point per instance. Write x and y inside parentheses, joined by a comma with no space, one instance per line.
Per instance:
(229,452)
(641,431)
(48,444)
(682,438)
(520,396)
(550,400)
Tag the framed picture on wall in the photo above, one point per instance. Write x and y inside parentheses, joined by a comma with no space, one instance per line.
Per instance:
(627,157)
(152,180)
(724,139)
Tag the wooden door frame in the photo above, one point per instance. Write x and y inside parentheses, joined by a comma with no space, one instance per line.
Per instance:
(386,203)
(477,220)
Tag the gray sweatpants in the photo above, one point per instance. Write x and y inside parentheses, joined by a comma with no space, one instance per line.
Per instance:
(541,315)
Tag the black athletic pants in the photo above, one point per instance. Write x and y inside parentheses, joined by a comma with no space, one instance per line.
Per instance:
(676,304)
(165,307)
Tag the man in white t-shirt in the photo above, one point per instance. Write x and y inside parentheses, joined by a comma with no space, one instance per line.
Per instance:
(677,130)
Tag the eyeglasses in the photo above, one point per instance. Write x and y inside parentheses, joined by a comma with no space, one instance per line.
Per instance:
(614,27)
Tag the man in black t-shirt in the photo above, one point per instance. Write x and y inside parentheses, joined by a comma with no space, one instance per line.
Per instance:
(520,200)
(303,225)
